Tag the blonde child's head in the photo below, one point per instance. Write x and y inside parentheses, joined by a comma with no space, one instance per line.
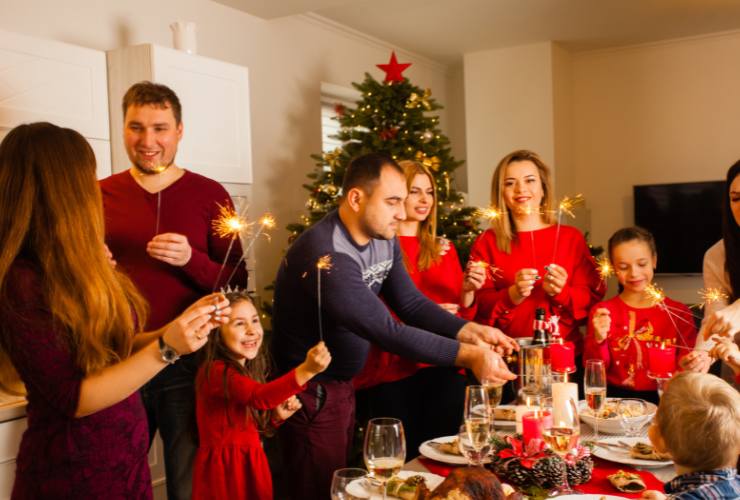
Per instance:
(698,422)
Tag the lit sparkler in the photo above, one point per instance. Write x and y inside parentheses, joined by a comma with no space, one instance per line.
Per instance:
(605,267)
(655,294)
(711,295)
(231,224)
(158,169)
(567,204)
(490,213)
(492,272)
(323,264)
(267,221)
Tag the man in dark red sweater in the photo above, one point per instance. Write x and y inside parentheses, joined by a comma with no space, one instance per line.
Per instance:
(158,228)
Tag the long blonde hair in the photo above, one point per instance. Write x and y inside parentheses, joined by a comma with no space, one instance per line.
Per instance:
(51,214)
(504,226)
(429,247)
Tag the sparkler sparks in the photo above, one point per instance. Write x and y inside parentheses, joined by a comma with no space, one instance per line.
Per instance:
(492,272)
(490,213)
(711,295)
(605,267)
(267,221)
(567,204)
(228,223)
(655,294)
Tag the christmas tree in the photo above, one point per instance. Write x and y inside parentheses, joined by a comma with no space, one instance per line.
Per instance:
(397,118)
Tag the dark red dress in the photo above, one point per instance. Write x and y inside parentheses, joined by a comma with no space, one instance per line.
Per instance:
(103,455)
(230,462)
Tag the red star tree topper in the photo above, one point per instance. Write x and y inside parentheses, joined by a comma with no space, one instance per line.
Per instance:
(393,69)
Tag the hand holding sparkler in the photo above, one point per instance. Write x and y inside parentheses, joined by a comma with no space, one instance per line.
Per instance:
(696,361)
(725,322)
(524,280)
(555,279)
(317,360)
(728,352)
(171,248)
(602,323)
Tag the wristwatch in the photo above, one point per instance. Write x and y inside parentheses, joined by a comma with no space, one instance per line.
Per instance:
(169,355)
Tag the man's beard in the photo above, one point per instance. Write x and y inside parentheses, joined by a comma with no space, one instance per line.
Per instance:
(158,169)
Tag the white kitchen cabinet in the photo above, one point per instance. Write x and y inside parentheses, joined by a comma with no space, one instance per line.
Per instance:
(215,104)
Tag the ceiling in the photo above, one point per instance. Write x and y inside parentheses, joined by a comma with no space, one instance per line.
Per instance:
(444,30)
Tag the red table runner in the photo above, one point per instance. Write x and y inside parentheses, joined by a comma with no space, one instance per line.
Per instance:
(598,484)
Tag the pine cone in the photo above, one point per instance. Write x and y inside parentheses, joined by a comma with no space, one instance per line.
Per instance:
(580,472)
(513,471)
(548,471)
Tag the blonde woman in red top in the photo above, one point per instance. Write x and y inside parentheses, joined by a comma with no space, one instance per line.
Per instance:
(399,387)
(532,261)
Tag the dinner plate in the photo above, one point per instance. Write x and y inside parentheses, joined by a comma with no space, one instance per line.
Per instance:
(622,456)
(429,451)
(361,488)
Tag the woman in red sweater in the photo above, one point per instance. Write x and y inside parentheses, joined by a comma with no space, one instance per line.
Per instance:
(535,262)
(621,328)
(399,387)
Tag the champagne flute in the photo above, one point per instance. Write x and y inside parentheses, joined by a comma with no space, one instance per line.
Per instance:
(495,391)
(341,480)
(632,415)
(594,385)
(477,419)
(384,449)
(561,433)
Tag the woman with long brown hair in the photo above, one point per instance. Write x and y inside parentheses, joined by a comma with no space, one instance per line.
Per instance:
(399,387)
(67,325)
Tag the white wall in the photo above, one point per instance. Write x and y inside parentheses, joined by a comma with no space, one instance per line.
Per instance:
(667,112)
(287,58)
(508,106)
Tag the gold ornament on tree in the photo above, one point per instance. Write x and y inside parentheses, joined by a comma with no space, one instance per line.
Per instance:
(415,100)
(432,162)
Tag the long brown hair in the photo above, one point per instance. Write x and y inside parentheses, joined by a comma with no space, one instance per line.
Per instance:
(51,214)
(731,235)
(504,226)
(258,369)
(429,247)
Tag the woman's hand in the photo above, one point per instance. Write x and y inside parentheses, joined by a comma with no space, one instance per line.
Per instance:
(189,331)
(727,351)
(475,276)
(602,322)
(524,280)
(555,279)
(696,361)
(725,322)
(450,308)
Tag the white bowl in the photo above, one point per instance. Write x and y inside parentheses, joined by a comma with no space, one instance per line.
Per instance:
(611,425)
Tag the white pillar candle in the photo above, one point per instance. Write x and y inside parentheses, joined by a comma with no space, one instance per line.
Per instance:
(561,392)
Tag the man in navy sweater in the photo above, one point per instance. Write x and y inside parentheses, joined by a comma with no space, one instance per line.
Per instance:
(359,238)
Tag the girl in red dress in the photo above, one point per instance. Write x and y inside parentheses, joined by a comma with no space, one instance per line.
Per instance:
(393,386)
(234,405)
(531,261)
(621,328)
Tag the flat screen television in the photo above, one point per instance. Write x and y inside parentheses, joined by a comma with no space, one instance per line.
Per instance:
(685,218)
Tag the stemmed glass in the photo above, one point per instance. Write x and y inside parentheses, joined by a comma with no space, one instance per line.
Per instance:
(384,449)
(561,433)
(495,391)
(477,420)
(341,479)
(594,385)
(632,415)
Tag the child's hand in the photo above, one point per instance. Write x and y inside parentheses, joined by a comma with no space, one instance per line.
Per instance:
(317,360)
(555,280)
(653,495)
(523,284)
(286,409)
(727,351)
(602,322)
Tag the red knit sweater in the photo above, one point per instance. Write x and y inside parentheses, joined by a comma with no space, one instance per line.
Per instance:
(441,283)
(187,207)
(625,351)
(536,249)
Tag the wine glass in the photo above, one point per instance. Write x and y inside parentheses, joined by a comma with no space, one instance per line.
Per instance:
(561,433)
(384,449)
(495,391)
(594,385)
(477,419)
(341,479)
(465,445)
(632,415)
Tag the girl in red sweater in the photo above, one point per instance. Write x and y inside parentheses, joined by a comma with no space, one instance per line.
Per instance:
(233,406)
(535,262)
(621,328)
(399,387)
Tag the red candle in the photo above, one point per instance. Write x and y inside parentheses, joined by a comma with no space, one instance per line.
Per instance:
(533,423)
(562,357)
(661,361)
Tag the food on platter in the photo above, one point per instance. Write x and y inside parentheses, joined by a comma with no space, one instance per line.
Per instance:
(411,488)
(472,483)
(645,451)
(450,448)
(504,414)
(627,482)
(609,410)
